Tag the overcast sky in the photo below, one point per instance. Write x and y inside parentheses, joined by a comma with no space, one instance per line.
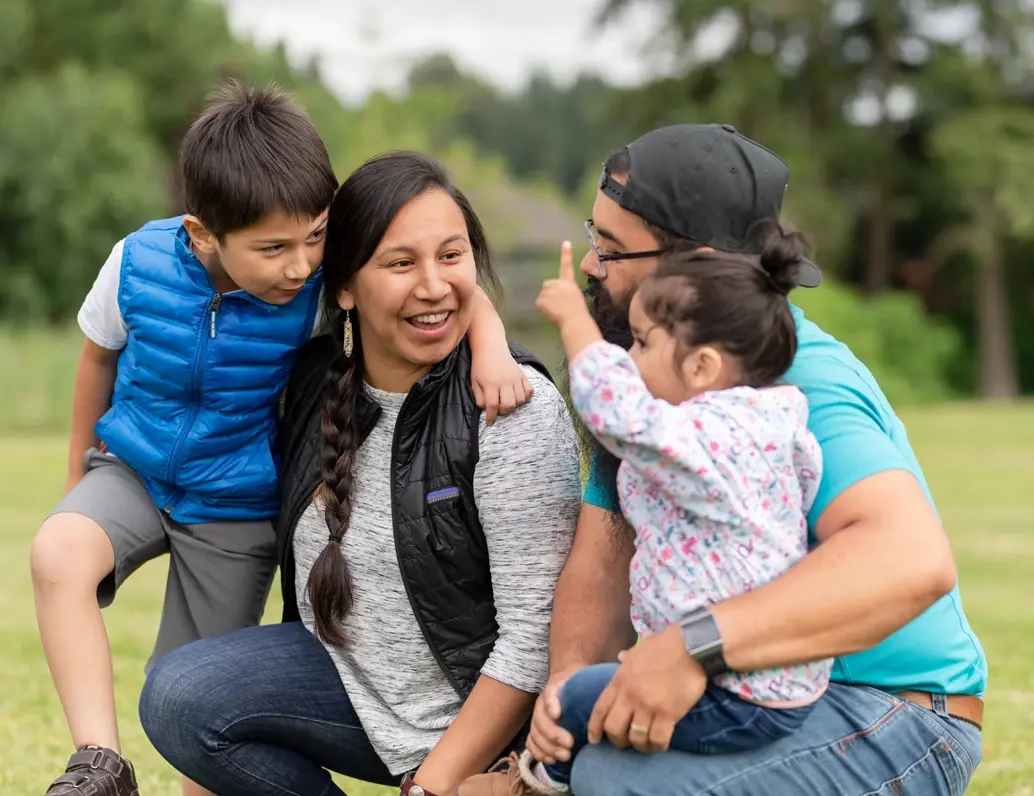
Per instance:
(366,44)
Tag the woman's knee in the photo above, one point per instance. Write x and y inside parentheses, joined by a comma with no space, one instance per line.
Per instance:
(70,551)
(184,699)
(194,694)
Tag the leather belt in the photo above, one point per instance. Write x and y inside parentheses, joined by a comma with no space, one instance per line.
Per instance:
(961,706)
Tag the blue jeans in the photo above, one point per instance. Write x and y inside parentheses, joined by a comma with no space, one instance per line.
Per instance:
(257,712)
(720,723)
(858,741)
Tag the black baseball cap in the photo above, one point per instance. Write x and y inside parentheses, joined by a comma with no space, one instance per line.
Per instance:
(707,183)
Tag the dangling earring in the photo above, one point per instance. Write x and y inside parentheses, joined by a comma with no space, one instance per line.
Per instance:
(347,347)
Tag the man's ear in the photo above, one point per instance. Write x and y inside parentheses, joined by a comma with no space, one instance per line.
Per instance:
(203,240)
(345,299)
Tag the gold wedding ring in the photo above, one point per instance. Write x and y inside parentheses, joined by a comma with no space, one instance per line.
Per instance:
(638,729)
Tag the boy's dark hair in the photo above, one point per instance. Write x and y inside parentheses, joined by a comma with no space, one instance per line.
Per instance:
(252,152)
(736,302)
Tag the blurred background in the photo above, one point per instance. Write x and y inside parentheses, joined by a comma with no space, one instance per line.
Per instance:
(908,126)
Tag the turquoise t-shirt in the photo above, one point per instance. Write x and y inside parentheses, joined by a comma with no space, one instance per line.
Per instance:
(860,436)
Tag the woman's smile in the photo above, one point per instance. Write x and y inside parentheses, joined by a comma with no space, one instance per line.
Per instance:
(431,326)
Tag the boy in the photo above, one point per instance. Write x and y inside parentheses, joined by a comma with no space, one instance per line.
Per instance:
(192,328)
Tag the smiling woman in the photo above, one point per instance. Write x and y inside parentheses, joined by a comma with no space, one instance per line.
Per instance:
(415,294)
(420,546)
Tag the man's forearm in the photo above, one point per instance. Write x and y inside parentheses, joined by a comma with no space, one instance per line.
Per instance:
(855,589)
(591,606)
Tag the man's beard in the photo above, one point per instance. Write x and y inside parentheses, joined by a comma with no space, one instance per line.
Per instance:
(610,313)
(611,316)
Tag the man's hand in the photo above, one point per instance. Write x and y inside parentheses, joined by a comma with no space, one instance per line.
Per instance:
(563,304)
(548,742)
(655,686)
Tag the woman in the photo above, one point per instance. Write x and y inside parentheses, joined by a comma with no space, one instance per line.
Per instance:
(419,547)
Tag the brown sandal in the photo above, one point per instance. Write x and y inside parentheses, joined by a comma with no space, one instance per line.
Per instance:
(96,771)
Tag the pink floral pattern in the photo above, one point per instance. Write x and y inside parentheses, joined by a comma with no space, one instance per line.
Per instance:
(717,489)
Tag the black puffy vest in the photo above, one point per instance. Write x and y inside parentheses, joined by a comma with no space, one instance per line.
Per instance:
(440,544)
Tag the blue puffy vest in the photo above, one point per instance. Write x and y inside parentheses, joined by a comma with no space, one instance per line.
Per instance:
(196,398)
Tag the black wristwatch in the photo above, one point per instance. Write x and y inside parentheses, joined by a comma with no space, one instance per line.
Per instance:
(704,641)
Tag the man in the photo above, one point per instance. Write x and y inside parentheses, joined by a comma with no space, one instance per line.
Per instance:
(878,592)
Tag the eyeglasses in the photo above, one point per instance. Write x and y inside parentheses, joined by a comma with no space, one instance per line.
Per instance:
(605,257)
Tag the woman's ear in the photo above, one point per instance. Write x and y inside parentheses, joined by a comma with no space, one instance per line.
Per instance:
(702,369)
(203,240)
(345,299)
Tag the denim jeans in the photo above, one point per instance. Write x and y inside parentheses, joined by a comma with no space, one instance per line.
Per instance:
(720,723)
(858,741)
(257,712)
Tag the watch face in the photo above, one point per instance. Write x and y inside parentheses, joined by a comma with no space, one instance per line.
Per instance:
(701,635)
(704,642)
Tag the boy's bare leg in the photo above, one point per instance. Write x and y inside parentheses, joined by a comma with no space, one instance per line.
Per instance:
(70,556)
(193,789)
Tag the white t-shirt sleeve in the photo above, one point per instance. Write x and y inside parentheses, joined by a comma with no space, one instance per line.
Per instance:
(100,317)
(320,325)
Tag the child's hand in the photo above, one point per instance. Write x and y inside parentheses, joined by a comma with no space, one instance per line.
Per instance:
(560,299)
(500,386)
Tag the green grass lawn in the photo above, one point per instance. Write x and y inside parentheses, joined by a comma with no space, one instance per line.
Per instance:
(979,460)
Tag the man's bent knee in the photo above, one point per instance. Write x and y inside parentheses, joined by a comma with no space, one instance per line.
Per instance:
(70,551)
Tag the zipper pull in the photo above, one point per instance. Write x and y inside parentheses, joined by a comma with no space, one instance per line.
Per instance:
(214,308)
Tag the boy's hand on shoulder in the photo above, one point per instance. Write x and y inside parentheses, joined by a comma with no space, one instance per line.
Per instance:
(500,386)
(499,383)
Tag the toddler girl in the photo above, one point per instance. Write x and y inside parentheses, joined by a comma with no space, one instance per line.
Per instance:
(718,471)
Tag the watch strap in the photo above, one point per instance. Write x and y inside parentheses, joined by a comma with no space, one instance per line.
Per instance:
(703,641)
(410,788)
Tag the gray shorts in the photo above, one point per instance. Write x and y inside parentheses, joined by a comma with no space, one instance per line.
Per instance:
(220,573)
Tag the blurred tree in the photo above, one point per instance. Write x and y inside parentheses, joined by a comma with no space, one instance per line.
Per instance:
(15,23)
(854,95)
(870,103)
(543,131)
(781,77)
(78,170)
(174,49)
(994,182)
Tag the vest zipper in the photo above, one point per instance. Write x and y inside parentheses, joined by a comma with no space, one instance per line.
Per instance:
(402,572)
(213,309)
(175,458)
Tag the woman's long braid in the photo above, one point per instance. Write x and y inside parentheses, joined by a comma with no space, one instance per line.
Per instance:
(360,215)
(330,584)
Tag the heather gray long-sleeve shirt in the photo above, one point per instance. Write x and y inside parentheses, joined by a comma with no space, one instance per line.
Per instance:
(528,495)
